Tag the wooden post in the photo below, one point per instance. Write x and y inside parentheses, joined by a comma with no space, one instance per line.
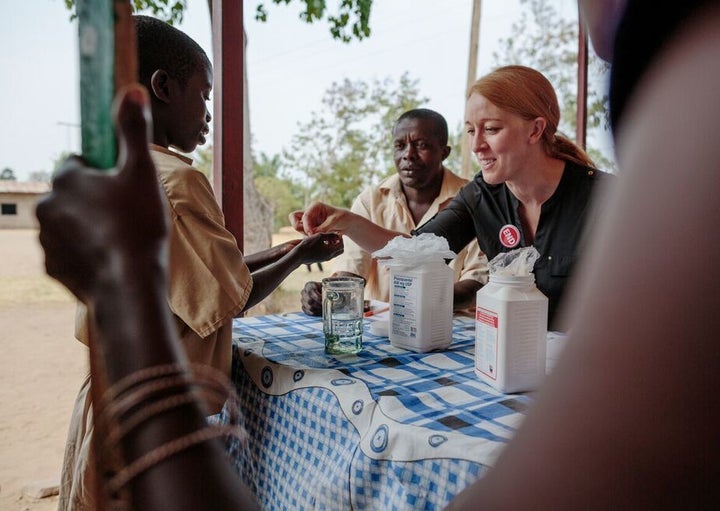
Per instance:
(97,74)
(108,61)
(227,23)
(466,165)
(582,63)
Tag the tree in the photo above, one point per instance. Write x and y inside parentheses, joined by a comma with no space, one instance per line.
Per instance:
(60,159)
(352,20)
(202,160)
(355,13)
(543,39)
(169,10)
(7,174)
(40,176)
(454,161)
(346,146)
(284,193)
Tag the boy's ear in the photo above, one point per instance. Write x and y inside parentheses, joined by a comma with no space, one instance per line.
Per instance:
(159,83)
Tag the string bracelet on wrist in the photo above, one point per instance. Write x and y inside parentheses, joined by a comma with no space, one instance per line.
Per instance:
(151,391)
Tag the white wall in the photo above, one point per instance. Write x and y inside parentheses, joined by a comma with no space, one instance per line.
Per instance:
(25,208)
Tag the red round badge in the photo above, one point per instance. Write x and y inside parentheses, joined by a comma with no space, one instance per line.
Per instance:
(509,236)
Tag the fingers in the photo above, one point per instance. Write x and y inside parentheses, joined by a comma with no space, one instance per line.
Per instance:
(308,224)
(296,221)
(321,217)
(311,218)
(311,298)
(317,218)
(134,122)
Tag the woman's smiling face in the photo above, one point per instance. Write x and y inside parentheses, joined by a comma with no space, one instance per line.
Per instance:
(498,138)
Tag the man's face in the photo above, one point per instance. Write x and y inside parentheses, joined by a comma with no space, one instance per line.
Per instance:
(418,153)
(192,118)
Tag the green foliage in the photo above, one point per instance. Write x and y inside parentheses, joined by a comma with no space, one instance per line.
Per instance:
(7,174)
(203,160)
(169,10)
(281,191)
(347,145)
(454,160)
(351,20)
(601,160)
(40,176)
(59,159)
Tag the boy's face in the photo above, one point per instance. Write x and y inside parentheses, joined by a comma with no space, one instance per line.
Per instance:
(191,118)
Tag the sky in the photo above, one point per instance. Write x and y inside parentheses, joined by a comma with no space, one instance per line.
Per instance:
(290,65)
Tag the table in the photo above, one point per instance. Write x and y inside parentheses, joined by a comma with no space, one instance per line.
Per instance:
(386,429)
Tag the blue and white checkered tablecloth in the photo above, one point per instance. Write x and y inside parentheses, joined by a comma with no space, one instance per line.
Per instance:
(384,429)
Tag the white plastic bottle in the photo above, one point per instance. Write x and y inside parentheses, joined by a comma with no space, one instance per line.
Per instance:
(511,333)
(421,306)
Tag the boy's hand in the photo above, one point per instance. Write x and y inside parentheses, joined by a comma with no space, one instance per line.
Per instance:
(311,298)
(311,294)
(319,248)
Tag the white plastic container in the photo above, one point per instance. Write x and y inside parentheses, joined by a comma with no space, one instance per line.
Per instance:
(511,333)
(421,306)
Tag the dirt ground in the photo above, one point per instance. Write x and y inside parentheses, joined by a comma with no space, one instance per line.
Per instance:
(42,365)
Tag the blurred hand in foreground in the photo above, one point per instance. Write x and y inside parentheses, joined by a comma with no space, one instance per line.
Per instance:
(94,221)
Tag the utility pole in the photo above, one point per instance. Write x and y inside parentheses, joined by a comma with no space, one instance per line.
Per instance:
(68,125)
(466,165)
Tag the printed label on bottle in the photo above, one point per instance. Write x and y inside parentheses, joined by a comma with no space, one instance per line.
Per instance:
(486,342)
(404,313)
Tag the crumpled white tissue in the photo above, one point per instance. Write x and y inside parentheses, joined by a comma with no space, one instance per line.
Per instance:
(423,248)
(519,262)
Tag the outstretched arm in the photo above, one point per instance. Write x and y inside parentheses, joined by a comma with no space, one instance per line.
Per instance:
(262,258)
(312,249)
(105,239)
(320,217)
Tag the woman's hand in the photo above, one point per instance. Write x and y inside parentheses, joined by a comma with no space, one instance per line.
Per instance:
(320,217)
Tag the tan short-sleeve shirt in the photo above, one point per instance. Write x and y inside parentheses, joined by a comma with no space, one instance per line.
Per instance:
(209,281)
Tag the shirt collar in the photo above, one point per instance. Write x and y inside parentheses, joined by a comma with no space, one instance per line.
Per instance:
(165,150)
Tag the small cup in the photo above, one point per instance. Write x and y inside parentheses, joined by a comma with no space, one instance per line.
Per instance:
(342,299)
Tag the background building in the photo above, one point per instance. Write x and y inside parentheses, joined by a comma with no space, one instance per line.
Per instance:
(17,203)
